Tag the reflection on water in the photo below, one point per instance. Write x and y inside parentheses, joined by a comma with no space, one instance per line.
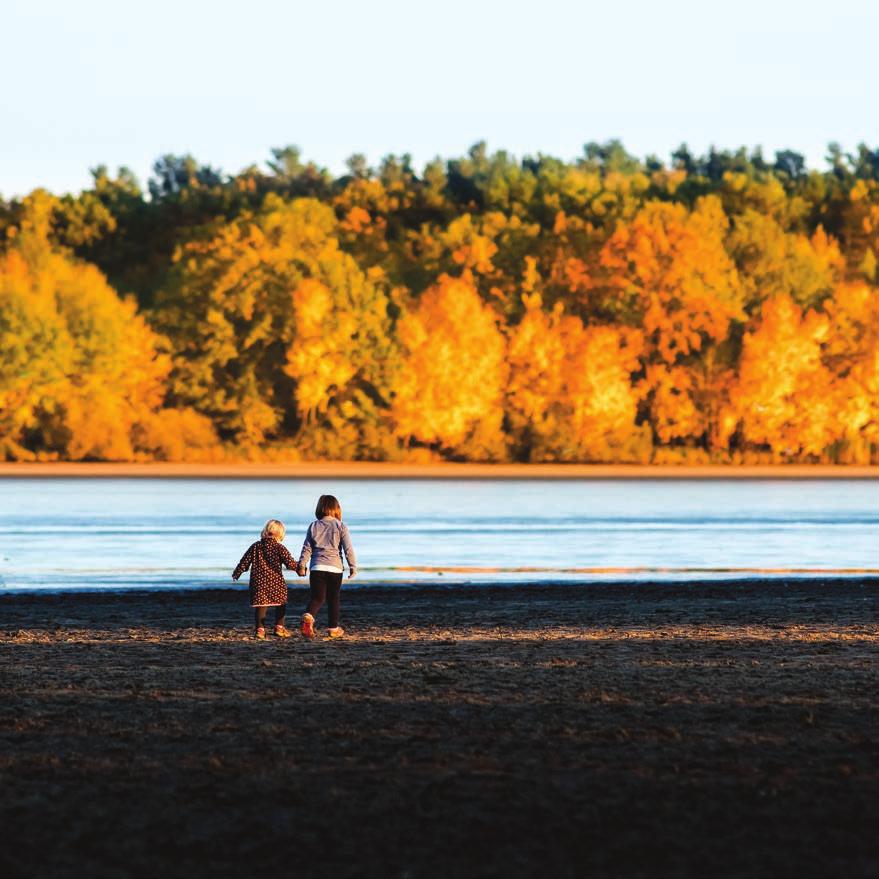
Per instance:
(159,533)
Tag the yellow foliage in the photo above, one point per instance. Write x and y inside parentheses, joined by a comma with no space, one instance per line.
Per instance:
(569,395)
(470,249)
(356,220)
(530,275)
(577,278)
(80,367)
(673,411)
(851,351)
(535,354)
(274,321)
(319,359)
(599,388)
(784,396)
(487,308)
(448,390)
(671,265)
(178,435)
(774,262)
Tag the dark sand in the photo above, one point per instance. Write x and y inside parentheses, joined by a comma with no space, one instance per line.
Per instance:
(614,730)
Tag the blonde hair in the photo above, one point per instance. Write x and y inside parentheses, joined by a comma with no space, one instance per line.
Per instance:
(274,528)
(327,505)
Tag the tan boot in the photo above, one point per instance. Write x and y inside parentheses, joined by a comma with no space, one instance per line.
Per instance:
(307,627)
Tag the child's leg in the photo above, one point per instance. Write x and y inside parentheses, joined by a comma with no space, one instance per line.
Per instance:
(280,615)
(260,616)
(318,589)
(334,591)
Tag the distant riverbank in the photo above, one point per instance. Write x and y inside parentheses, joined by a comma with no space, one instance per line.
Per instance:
(382,470)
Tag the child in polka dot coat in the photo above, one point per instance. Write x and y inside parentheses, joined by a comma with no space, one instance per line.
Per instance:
(268,588)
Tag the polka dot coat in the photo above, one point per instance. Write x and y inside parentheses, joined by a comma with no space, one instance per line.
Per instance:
(264,559)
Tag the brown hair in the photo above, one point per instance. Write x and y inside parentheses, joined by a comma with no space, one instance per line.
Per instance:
(327,505)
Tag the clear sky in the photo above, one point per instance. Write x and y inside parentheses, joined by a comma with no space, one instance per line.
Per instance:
(88,82)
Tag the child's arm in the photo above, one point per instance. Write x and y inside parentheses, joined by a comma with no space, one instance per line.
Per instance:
(349,552)
(244,564)
(305,555)
(286,559)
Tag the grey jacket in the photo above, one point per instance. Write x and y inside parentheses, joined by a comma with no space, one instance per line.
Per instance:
(325,541)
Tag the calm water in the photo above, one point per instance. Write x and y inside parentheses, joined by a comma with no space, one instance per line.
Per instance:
(76,534)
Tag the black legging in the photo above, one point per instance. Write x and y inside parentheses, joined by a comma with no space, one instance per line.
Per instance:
(325,586)
(280,613)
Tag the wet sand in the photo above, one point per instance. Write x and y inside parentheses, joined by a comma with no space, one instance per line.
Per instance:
(614,730)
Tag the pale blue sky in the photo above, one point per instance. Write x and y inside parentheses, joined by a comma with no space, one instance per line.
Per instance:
(92,81)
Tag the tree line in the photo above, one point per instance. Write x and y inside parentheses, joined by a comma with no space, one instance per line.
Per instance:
(716,308)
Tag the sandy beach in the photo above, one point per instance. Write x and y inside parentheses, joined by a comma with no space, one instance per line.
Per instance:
(614,730)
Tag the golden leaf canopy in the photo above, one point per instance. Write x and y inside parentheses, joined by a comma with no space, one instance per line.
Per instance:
(714,308)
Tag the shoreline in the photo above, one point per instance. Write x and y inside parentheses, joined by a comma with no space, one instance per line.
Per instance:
(391,471)
(10,595)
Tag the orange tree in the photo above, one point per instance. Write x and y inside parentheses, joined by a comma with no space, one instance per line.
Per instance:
(278,334)
(667,273)
(449,384)
(82,373)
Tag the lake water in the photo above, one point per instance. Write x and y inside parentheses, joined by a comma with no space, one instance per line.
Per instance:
(172,533)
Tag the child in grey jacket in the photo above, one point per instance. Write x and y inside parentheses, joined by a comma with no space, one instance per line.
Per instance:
(326,542)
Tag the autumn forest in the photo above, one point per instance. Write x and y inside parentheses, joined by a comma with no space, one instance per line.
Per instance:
(719,308)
